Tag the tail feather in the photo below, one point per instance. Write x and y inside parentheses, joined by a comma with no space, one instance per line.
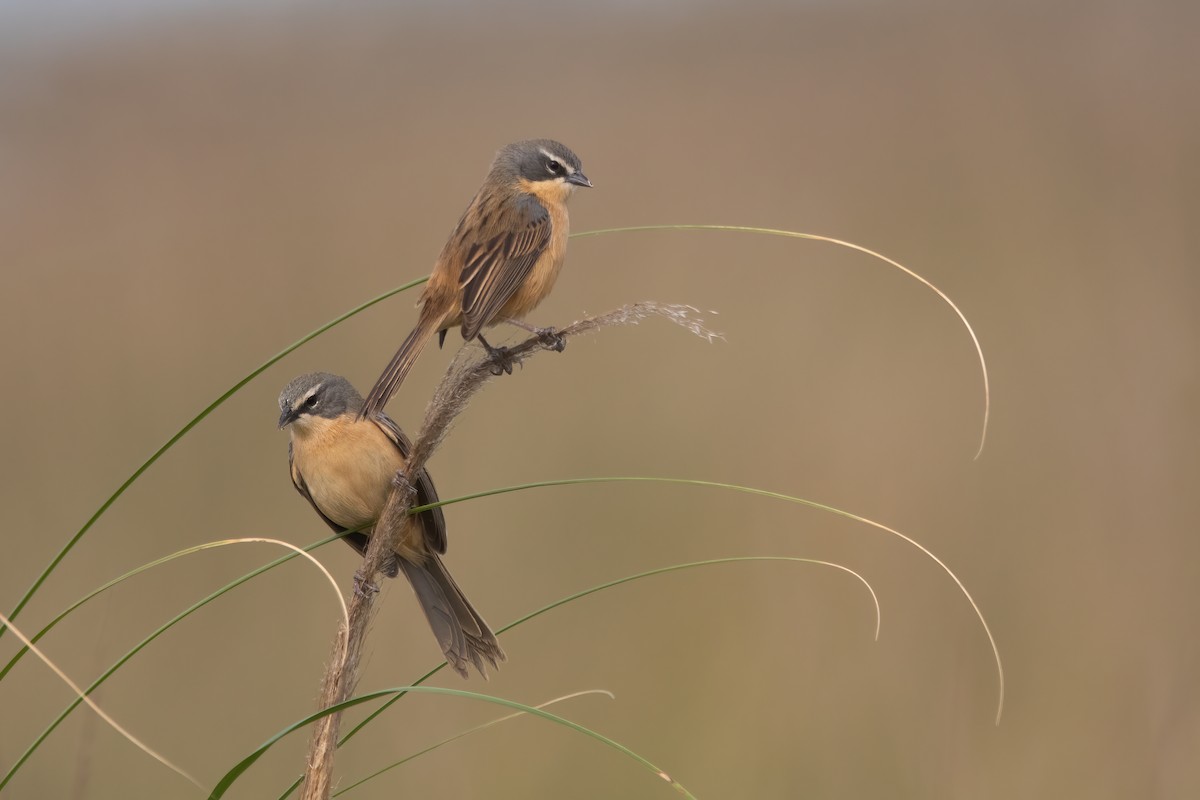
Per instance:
(461,633)
(397,369)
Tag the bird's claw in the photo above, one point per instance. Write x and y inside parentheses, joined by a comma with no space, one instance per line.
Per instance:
(363,587)
(502,360)
(551,339)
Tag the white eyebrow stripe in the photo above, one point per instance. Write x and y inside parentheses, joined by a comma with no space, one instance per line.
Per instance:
(301,401)
(552,157)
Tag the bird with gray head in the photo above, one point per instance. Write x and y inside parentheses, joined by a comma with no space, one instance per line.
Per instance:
(501,260)
(538,160)
(344,467)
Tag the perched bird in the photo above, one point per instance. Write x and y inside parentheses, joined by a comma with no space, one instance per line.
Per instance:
(344,466)
(500,261)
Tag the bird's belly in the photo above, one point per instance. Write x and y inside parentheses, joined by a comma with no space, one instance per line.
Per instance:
(533,291)
(351,484)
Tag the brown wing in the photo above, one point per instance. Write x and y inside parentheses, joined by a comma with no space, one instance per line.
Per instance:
(499,263)
(432,521)
(357,540)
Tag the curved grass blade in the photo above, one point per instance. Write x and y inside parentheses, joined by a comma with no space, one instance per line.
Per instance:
(100,712)
(987,393)
(464,734)
(593,590)
(132,573)
(773,495)
(183,432)
(108,673)
(223,785)
(364,306)
(220,400)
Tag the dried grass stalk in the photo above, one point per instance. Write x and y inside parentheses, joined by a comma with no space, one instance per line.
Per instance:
(470,371)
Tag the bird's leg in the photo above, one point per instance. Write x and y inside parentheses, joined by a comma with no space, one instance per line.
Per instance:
(549,337)
(501,358)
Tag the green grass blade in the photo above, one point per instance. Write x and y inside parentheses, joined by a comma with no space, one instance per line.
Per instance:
(184,431)
(108,673)
(462,735)
(775,496)
(593,590)
(362,307)
(28,595)
(224,784)
(115,581)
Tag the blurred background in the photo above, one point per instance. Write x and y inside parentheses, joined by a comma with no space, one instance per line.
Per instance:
(186,188)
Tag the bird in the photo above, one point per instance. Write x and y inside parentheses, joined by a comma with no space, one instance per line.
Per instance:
(500,261)
(344,466)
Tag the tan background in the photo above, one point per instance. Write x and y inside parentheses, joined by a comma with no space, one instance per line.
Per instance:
(183,194)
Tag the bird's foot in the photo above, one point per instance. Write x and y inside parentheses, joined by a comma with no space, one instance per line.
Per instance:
(501,358)
(363,586)
(551,339)
(502,361)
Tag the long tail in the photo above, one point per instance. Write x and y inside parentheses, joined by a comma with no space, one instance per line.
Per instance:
(397,369)
(462,634)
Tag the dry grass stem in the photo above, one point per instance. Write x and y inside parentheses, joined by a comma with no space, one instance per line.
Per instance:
(83,696)
(469,372)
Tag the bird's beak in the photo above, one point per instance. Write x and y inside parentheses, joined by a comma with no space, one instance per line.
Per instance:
(286,418)
(579,179)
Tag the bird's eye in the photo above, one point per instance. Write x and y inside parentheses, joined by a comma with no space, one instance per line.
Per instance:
(554,167)
(311,402)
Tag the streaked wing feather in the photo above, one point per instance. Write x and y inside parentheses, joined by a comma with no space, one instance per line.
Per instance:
(499,266)
(433,521)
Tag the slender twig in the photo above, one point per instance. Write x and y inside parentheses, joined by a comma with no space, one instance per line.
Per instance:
(470,371)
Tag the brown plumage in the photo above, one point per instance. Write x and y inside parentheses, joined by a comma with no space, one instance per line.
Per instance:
(344,466)
(502,258)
